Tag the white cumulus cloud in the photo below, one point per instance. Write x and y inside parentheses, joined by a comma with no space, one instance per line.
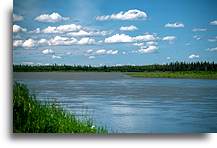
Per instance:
(81,33)
(123,38)
(193,56)
(149,49)
(56,57)
(29,43)
(62,28)
(112,52)
(48,51)
(134,14)
(103,52)
(89,51)
(17,43)
(196,37)
(169,38)
(86,41)
(37,30)
(128,28)
(213,22)
(17,28)
(91,57)
(100,52)
(151,43)
(174,25)
(43,42)
(58,40)
(138,44)
(53,17)
(119,38)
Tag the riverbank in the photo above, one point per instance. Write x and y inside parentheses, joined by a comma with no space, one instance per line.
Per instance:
(181,74)
(29,116)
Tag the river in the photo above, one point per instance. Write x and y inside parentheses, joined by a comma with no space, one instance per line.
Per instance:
(127,104)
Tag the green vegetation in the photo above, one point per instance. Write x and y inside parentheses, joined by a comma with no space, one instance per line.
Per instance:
(177,66)
(29,116)
(180,74)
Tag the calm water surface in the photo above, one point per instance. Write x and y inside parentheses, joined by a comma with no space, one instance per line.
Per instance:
(130,105)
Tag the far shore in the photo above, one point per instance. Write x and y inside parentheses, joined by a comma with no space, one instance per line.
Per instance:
(156,74)
(177,74)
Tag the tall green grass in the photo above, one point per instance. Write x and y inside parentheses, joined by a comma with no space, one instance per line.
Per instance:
(29,116)
(181,74)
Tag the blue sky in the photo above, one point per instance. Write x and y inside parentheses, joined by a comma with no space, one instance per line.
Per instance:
(114,32)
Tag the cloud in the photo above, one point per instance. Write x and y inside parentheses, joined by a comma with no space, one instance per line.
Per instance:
(91,57)
(112,52)
(17,43)
(119,38)
(62,28)
(213,22)
(89,51)
(56,57)
(55,41)
(146,37)
(149,49)
(17,29)
(104,52)
(151,43)
(37,30)
(48,51)
(138,44)
(174,25)
(81,33)
(86,41)
(212,49)
(193,56)
(17,18)
(128,15)
(213,39)
(100,52)
(123,38)
(199,29)
(169,38)
(53,17)
(58,40)
(128,28)
(196,37)
(29,43)
(43,42)
(27,63)
(168,58)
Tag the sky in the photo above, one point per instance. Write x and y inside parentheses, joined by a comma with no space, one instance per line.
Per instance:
(114,32)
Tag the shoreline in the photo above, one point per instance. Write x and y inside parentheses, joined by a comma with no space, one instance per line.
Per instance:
(207,75)
(30,116)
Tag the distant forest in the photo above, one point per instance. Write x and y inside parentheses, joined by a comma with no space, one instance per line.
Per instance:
(177,66)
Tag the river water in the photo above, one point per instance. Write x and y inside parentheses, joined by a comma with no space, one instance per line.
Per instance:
(126,104)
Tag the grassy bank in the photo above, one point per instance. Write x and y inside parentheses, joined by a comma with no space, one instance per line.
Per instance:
(29,116)
(182,74)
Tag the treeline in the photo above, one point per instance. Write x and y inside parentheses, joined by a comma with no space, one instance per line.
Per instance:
(177,66)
